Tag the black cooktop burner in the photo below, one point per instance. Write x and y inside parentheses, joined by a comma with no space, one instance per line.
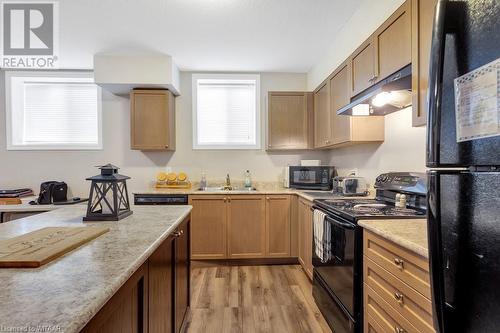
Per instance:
(355,208)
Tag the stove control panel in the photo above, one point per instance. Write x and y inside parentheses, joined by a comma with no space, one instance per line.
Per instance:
(402,181)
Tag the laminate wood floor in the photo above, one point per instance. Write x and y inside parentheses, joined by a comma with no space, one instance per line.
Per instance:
(252,299)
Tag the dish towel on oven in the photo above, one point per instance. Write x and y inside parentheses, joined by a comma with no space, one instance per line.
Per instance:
(322,236)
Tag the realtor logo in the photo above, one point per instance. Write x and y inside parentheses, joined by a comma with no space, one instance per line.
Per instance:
(29,34)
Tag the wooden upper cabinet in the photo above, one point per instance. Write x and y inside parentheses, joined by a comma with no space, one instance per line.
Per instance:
(208,226)
(422,13)
(246,226)
(385,52)
(346,129)
(152,119)
(363,67)
(322,126)
(339,97)
(289,120)
(278,226)
(392,42)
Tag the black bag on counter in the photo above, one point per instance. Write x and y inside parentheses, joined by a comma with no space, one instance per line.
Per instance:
(51,192)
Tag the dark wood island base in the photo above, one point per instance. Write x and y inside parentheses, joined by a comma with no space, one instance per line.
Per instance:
(156,297)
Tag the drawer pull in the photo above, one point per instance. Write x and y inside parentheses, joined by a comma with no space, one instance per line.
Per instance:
(399,297)
(398,329)
(399,262)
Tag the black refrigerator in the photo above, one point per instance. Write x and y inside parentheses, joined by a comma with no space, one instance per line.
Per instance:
(463,157)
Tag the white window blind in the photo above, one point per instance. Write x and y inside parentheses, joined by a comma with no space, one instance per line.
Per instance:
(53,111)
(226,111)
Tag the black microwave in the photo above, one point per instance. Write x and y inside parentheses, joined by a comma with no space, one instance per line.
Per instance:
(311,177)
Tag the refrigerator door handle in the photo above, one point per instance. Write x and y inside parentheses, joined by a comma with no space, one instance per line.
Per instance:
(435,250)
(435,83)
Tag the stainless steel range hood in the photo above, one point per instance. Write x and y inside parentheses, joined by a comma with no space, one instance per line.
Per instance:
(387,96)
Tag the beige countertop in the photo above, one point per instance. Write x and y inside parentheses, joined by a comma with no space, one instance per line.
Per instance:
(263,189)
(63,295)
(408,233)
(306,194)
(26,207)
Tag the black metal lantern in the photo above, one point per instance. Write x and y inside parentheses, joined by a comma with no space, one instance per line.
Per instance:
(108,200)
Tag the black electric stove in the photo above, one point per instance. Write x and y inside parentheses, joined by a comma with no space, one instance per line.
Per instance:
(337,281)
(367,208)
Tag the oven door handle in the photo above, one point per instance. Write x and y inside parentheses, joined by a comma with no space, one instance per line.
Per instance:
(344,225)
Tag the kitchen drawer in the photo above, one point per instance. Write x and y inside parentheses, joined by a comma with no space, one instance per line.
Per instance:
(383,316)
(404,264)
(404,299)
(371,325)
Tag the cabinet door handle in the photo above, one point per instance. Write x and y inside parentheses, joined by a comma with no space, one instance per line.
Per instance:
(228,199)
(225,199)
(399,262)
(398,329)
(267,198)
(166,146)
(399,297)
(177,234)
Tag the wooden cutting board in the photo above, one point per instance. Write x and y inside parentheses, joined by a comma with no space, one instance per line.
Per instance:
(44,245)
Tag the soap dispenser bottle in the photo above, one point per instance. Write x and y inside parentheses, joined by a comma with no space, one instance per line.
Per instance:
(248,179)
(203,181)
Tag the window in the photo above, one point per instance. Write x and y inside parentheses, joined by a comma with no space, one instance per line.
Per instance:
(52,111)
(226,111)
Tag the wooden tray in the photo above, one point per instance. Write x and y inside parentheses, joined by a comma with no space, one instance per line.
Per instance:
(180,185)
(10,201)
(44,245)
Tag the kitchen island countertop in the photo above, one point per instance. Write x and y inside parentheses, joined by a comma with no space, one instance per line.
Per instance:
(63,295)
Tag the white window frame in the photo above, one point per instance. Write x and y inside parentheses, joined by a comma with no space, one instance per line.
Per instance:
(257,145)
(57,76)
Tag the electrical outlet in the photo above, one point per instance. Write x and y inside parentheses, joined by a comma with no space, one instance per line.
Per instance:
(353,172)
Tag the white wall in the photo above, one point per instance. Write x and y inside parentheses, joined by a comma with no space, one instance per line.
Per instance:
(29,168)
(365,20)
(402,150)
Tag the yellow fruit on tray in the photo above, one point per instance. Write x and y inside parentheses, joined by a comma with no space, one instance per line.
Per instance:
(171,177)
(161,177)
(182,176)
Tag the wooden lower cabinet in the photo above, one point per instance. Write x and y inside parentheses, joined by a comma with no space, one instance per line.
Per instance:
(396,289)
(243,226)
(156,297)
(182,274)
(161,275)
(127,310)
(208,226)
(278,220)
(246,226)
(305,235)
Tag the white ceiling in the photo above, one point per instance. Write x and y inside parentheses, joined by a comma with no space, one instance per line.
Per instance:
(225,35)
